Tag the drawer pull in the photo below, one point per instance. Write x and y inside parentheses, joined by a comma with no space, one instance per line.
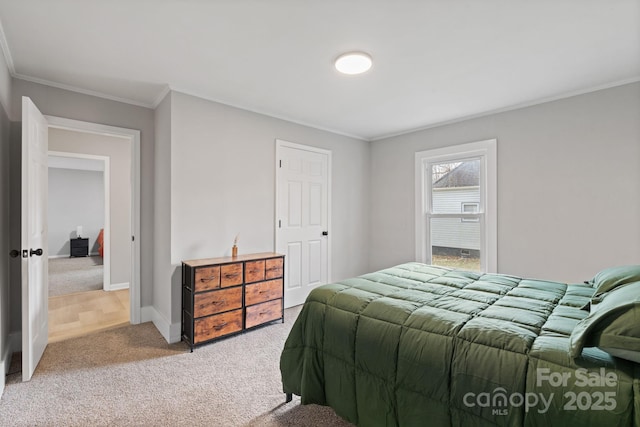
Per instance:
(220,302)
(207,279)
(220,326)
(230,276)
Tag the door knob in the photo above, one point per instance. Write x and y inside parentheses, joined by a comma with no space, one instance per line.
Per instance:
(37,252)
(14,253)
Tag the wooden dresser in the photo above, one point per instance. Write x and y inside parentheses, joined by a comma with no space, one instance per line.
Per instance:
(224,296)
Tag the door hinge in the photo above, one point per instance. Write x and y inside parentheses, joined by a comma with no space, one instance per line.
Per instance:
(133,238)
(280,163)
(279,223)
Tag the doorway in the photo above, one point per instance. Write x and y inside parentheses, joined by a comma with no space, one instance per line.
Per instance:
(82,299)
(79,219)
(119,148)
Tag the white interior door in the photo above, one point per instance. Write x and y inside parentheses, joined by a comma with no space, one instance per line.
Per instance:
(35,301)
(302,228)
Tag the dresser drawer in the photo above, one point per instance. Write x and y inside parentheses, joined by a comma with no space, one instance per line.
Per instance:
(212,302)
(262,313)
(274,268)
(263,291)
(207,278)
(231,275)
(254,271)
(216,326)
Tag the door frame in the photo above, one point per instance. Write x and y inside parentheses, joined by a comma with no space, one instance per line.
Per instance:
(106,175)
(280,144)
(134,137)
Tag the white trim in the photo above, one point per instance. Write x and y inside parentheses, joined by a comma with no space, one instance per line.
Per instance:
(61,256)
(69,255)
(106,176)
(6,52)
(275,116)
(488,207)
(118,286)
(133,136)
(3,374)
(76,89)
(281,144)
(170,331)
(13,345)
(518,106)
(160,97)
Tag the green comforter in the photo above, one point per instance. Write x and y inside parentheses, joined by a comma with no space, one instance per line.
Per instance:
(418,345)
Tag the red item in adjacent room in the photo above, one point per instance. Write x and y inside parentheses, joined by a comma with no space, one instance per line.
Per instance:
(100,243)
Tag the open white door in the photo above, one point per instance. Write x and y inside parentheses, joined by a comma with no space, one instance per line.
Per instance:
(302,229)
(35,301)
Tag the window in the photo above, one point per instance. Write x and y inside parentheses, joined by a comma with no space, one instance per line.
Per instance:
(456,218)
(467,207)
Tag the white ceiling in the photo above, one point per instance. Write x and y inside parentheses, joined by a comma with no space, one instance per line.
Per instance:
(434,61)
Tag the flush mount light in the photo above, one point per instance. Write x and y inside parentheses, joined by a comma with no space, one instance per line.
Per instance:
(353,63)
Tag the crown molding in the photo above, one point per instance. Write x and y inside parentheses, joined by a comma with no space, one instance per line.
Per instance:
(538,101)
(82,91)
(5,50)
(274,116)
(161,96)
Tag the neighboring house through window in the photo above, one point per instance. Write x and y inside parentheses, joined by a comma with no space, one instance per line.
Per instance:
(456,219)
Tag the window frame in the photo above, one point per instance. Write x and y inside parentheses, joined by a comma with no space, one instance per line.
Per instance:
(477,209)
(487,214)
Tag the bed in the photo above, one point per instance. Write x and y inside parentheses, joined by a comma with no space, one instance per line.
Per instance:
(418,345)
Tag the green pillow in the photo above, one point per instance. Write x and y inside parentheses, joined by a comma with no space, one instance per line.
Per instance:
(613,325)
(610,278)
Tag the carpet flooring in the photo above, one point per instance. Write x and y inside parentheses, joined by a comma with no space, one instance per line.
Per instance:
(130,376)
(77,274)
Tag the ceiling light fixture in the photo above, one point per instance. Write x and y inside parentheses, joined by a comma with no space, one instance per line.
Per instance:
(353,63)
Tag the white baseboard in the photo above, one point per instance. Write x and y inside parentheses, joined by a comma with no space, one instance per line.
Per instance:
(69,255)
(118,286)
(170,331)
(3,371)
(14,344)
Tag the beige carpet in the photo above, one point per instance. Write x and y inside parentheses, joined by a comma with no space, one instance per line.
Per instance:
(77,274)
(131,376)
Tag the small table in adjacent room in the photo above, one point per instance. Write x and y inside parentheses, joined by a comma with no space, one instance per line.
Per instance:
(79,247)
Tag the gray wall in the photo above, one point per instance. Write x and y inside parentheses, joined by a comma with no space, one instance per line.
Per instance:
(5,94)
(63,103)
(119,152)
(222,182)
(162,269)
(76,197)
(568,185)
